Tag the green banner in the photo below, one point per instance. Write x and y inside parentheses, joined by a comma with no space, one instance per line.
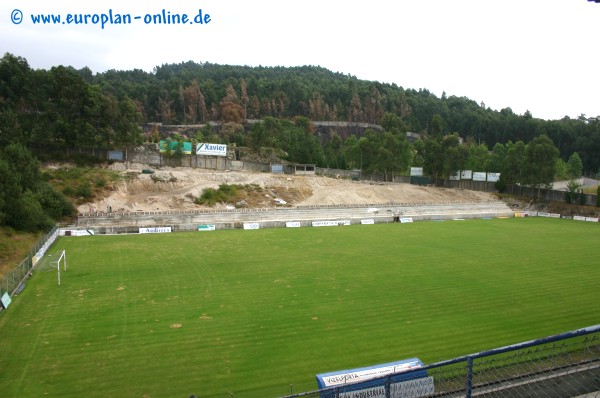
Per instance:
(186,147)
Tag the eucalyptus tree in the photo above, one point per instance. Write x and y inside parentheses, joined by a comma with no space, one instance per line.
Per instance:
(541,156)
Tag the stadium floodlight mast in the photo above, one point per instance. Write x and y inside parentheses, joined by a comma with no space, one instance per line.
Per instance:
(63,258)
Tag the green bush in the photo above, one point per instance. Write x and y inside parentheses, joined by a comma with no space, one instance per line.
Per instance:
(211,196)
(100,182)
(208,197)
(84,190)
(227,190)
(68,191)
(500,185)
(568,197)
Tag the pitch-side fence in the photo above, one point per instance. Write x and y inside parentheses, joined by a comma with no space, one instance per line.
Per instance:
(564,365)
(13,280)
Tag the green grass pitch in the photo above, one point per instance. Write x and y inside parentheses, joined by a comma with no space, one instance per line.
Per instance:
(247,313)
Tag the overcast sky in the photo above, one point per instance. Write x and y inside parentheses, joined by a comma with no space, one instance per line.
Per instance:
(536,55)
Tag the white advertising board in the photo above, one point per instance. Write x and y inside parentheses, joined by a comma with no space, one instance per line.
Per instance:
(76,232)
(406,219)
(416,172)
(329,223)
(550,215)
(40,253)
(207,227)
(154,230)
(251,225)
(455,176)
(367,222)
(466,175)
(211,149)
(292,224)
(374,392)
(479,175)
(493,177)
(367,373)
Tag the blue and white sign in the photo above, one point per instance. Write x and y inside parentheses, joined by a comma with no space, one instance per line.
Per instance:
(292,224)
(251,225)
(6,300)
(404,377)
(211,149)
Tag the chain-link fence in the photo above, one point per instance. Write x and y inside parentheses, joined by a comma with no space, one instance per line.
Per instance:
(565,365)
(12,280)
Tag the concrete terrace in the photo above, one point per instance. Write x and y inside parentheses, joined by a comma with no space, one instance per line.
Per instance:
(129,222)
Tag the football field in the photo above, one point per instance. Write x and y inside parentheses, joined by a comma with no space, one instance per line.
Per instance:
(241,313)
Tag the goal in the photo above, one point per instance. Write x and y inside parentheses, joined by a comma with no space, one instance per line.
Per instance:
(61,262)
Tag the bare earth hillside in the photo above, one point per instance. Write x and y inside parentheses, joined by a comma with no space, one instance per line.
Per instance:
(176,188)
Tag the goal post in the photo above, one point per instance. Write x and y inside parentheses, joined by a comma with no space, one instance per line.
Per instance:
(62,260)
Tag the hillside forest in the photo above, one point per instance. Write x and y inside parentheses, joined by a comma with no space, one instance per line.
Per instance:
(61,109)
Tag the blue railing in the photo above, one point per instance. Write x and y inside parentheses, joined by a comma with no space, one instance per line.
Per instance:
(562,365)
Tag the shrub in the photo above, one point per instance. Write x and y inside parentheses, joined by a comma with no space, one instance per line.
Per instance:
(68,191)
(500,185)
(84,190)
(211,196)
(208,197)
(100,182)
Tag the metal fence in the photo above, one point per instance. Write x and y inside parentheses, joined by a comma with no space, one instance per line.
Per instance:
(12,280)
(564,365)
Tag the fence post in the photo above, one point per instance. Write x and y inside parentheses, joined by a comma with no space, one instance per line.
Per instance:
(388,387)
(469,386)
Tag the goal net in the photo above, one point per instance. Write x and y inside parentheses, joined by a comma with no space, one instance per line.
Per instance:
(56,261)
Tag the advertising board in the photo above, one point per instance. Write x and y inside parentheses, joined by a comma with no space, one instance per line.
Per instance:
(211,149)
(479,176)
(416,172)
(154,230)
(370,381)
(6,300)
(165,146)
(493,177)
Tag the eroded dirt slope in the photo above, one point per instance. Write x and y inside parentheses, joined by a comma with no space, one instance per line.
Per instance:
(176,188)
